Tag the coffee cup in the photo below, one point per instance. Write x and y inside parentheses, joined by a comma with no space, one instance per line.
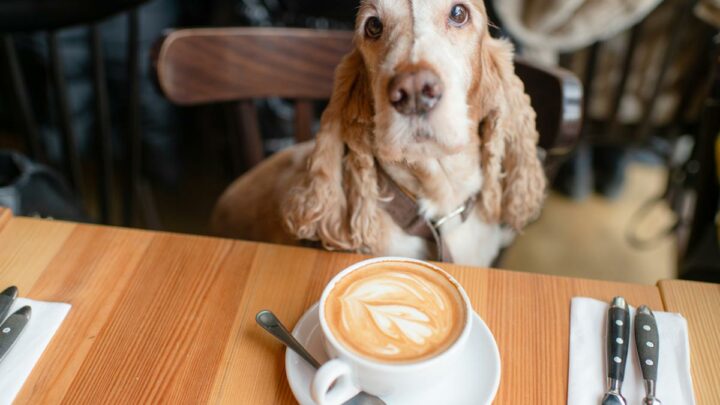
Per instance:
(389,325)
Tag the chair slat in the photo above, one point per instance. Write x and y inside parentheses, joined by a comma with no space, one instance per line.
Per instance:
(251,141)
(303,120)
(69,143)
(133,141)
(588,76)
(613,123)
(26,117)
(646,124)
(696,81)
(102,120)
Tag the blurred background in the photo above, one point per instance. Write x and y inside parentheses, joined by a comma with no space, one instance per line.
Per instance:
(86,134)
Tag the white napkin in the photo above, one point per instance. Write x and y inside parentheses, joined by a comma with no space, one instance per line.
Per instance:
(45,319)
(587,375)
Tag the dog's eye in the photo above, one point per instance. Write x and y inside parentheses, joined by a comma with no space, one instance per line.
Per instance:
(373,28)
(459,15)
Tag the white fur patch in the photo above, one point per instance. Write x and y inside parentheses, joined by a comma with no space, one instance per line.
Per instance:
(474,242)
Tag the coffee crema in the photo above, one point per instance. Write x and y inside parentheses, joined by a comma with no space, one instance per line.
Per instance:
(395,312)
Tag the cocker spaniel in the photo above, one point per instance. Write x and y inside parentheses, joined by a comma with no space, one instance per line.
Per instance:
(426,150)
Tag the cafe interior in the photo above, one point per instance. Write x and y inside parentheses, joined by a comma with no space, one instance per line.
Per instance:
(348,201)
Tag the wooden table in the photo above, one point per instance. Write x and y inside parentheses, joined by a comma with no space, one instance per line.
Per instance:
(700,304)
(158,317)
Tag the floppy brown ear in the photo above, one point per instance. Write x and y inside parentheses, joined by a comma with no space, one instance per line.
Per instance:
(514,188)
(335,203)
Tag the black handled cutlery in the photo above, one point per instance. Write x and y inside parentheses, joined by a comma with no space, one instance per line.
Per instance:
(7,298)
(11,329)
(618,340)
(647,340)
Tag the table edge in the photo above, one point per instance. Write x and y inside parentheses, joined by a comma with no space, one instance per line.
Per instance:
(5,216)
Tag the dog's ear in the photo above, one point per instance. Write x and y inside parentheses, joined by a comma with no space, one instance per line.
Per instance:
(514,187)
(333,203)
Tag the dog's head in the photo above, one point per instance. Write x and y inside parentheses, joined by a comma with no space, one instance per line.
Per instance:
(422,59)
(424,81)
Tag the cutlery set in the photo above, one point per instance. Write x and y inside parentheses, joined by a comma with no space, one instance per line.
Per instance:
(647,341)
(13,326)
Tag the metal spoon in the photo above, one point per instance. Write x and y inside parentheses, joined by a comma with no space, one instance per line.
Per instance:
(268,321)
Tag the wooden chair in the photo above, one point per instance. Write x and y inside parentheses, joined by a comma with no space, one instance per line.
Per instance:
(237,65)
(23,16)
(701,256)
(611,131)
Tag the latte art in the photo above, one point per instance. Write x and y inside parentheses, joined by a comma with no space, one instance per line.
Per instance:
(395,311)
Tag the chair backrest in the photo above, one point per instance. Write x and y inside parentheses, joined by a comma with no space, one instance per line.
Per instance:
(200,66)
(196,66)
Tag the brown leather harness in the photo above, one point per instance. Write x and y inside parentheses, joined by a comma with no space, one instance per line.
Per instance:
(405,211)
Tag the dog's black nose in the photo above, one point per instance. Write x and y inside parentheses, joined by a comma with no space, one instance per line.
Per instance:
(415,93)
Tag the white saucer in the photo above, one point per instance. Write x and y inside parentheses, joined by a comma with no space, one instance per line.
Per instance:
(475,382)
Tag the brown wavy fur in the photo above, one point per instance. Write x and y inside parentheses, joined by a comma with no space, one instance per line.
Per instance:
(337,201)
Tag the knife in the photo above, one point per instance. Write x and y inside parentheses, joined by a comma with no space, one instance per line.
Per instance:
(12,328)
(618,340)
(647,339)
(7,298)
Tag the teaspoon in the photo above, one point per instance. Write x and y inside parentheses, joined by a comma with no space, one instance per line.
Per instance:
(268,321)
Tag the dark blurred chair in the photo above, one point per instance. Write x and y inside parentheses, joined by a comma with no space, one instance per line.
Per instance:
(701,259)
(610,136)
(611,131)
(236,65)
(25,16)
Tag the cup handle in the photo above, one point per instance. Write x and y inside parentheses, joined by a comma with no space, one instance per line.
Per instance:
(332,384)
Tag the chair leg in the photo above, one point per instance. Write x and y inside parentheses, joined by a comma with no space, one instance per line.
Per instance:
(102,120)
(22,100)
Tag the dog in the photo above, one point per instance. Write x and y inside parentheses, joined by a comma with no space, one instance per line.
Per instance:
(427,149)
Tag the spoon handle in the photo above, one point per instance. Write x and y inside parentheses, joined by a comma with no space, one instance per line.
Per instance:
(268,321)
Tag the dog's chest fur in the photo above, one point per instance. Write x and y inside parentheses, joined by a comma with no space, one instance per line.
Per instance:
(472,242)
(441,186)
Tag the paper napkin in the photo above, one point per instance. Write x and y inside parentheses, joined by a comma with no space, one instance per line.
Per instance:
(587,375)
(45,319)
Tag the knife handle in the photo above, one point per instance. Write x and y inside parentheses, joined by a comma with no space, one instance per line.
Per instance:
(12,328)
(7,297)
(618,339)
(647,340)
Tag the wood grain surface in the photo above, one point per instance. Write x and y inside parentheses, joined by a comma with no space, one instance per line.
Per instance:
(700,304)
(207,65)
(163,318)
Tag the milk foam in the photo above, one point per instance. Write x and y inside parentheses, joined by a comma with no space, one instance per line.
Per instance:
(395,311)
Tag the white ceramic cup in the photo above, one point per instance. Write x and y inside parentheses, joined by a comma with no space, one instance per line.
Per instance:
(348,373)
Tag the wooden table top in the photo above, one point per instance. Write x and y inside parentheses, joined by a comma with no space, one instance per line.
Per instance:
(159,317)
(700,304)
